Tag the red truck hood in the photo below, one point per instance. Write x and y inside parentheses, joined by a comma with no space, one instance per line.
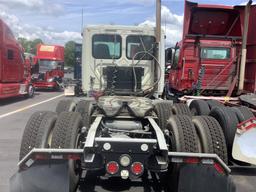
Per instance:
(216,20)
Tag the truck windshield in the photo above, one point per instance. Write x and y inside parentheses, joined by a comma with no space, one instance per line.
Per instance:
(139,43)
(106,46)
(215,53)
(46,65)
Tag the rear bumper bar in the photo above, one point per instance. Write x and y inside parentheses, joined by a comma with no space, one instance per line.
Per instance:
(77,154)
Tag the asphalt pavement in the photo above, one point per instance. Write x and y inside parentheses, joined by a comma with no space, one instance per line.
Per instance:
(14,114)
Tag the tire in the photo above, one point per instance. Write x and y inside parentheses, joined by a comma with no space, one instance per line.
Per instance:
(239,114)
(31,91)
(182,134)
(199,107)
(65,135)
(214,103)
(182,138)
(164,112)
(246,112)
(67,105)
(204,134)
(243,113)
(37,131)
(181,109)
(228,122)
(211,136)
(84,107)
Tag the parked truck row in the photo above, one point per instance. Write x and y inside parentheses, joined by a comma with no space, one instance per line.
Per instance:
(21,73)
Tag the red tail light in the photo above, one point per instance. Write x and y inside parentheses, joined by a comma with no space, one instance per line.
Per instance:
(218,167)
(74,157)
(137,168)
(112,167)
(191,160)
(40,157)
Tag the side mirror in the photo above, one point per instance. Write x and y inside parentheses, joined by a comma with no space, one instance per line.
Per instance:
(167,69)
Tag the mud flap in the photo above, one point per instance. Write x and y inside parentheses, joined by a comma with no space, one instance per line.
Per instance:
(42,177)
(244,146)
(201,178)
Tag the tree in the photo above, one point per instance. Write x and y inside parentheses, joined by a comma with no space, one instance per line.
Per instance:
(33,45)
(25,43)
(70,53)
(29,46)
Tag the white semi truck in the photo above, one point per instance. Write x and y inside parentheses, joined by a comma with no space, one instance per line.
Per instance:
(124,130)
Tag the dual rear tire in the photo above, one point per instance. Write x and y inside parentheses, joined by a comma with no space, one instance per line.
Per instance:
(201,134)
(191,134)
(37,132)
(185,134)
(48,130)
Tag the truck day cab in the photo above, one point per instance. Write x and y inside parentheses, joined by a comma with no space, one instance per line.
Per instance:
(123,133)
(207,60)
(50,66)
(14,79)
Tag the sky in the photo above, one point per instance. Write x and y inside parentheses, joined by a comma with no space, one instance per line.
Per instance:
(58,21)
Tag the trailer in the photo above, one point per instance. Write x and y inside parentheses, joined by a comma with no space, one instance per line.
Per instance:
(15,79)
(50,67)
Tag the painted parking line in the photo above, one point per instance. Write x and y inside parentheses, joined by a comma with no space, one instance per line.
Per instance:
(30,106)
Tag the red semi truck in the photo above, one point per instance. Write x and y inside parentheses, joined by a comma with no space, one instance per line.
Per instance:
(50,66)
(207,59)
(14,77)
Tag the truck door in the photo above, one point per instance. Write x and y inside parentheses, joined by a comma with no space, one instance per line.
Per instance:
(174,71)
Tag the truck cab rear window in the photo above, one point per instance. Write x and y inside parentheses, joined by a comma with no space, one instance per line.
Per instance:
(106,46)
(215,53)
(136,45)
